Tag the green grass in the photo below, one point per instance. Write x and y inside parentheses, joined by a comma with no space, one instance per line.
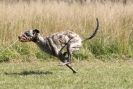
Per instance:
(47,75)
(24,66)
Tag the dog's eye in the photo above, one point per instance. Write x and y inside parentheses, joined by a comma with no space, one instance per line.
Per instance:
(27,34)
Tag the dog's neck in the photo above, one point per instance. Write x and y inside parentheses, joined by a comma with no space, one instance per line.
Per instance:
(43,44)
(39,40)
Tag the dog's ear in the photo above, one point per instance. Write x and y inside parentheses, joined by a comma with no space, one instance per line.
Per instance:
(36,31)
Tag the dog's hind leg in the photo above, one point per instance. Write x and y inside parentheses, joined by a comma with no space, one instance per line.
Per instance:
(72,47)
(69,53)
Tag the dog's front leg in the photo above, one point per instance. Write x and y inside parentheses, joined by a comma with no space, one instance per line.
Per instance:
(54,47)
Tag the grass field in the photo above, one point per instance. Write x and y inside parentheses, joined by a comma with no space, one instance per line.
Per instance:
(47,75)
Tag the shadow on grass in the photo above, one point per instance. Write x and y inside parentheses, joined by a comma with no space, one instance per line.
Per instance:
(24,73)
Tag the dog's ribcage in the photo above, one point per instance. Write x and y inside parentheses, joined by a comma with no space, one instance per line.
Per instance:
(53,43)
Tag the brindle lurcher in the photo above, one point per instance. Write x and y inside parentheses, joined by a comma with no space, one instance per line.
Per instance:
(56,43)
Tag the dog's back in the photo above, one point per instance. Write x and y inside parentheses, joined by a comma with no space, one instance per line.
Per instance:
(61,38)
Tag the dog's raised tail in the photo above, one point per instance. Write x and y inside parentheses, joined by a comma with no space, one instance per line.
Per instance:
(95,32)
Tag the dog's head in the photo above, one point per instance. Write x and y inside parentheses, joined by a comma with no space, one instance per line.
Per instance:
(28,36)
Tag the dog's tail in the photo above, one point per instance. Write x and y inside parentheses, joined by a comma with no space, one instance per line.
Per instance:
(94,33)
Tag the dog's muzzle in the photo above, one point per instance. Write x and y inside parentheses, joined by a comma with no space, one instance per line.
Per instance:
(24,38)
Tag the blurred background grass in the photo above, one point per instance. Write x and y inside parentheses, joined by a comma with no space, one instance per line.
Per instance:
(114,38)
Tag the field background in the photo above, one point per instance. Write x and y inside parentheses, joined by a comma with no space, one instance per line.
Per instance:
(105,62)
(114,38)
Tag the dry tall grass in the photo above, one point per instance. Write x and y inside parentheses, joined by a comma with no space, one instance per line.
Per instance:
(116,23)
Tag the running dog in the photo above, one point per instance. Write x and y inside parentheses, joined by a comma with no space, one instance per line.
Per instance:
(61,45)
